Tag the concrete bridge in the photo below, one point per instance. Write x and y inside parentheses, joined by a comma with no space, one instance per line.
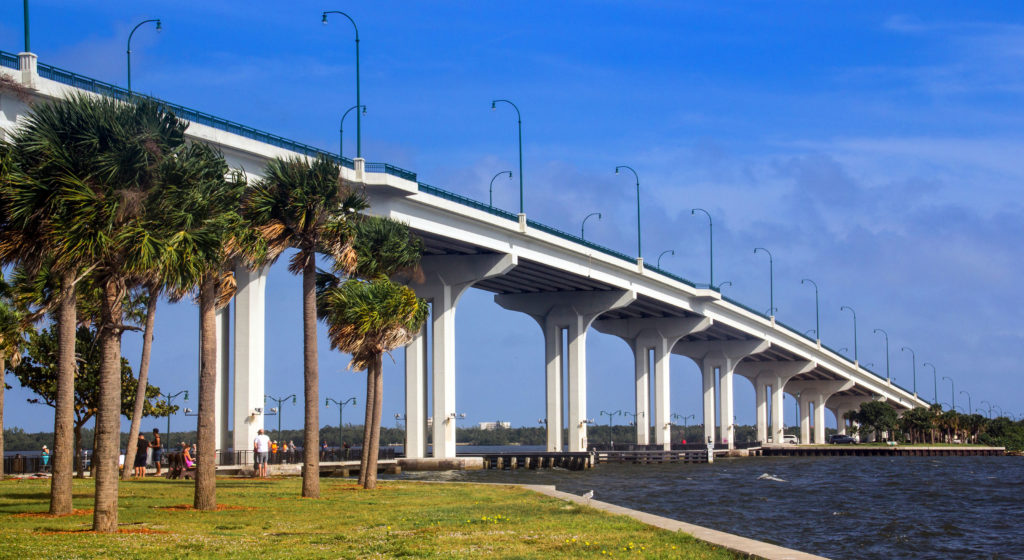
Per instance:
(566,284)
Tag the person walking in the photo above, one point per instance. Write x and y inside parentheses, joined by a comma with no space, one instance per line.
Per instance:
(157,449)
(46,459)
(261,451)
(139,461)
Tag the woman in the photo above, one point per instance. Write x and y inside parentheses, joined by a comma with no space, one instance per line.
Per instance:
(140,456)
(187,456)
(46,459)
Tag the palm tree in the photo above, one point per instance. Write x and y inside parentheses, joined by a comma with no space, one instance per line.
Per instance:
(152,293)
(371,315)
(200,204)
(304,205)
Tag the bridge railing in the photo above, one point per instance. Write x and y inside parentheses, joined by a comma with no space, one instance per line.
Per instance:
(9,60)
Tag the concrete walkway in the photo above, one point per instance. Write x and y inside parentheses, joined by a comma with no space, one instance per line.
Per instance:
(734,543)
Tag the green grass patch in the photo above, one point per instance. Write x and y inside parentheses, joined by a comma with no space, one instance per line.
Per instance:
(268,519)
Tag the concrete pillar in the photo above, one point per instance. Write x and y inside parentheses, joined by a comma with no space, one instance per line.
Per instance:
(28,64)
(644,336)
(223,396)
(773,375)
(416,397)
(817,392)
(840,405)
(725,355)
(446,278)
(571,313)
(250,331)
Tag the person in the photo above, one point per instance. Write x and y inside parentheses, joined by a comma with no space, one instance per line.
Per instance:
(157,449)
(187,456)
(284,453)
(295,452)
(261,450)
(323,450)
(140,456)
(273,451)
(46,459)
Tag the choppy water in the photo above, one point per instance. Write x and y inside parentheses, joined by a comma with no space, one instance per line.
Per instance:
(839,507)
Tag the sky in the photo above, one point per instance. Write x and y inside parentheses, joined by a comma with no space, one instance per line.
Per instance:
(873,148)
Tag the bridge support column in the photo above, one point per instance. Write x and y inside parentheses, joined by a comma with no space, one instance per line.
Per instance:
(447,277)
(723,356)
(571,313)
(250,331)
(773,375)
(657,336)
(223,398)
(416,396)
(816,392)
(841,405)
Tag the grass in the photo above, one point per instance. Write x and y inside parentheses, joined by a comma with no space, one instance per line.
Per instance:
(268,519)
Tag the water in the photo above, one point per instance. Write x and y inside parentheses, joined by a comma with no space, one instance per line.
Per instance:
(838,507)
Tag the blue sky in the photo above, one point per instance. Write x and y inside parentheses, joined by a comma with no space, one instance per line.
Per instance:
(873,148)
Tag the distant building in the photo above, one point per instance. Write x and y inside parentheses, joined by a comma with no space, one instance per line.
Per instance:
(494,425)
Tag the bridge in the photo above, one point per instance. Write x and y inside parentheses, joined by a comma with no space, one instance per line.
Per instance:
(568,285)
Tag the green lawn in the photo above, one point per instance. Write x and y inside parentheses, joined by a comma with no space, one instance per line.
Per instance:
(267,519)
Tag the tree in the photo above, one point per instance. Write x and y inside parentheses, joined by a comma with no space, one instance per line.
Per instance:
(878,416)
(200,204)
(38,373)
(368,318)
(304,205)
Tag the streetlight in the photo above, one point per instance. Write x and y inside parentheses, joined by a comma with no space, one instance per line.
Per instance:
(278,411)
(952,390)
(584,224)
(817,312)
(359,120)
(490,190)
(658,264)
(913,358)
(341,416)
(989,412)
(711,246)
(723,284)
(935,383)
(138,25)
(519,122)
(771,279)
(854,330)
(970,409)
(168,398)
(887,378)
(25,9)
(639,255)
(610,414)
(341,128)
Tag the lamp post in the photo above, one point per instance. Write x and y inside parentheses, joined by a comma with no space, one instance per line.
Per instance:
(970,409)
(490,190)
(952,390)
(887,378)
(25,10)
(341,416)
(341,128)
(639,254)
(989,411)
(634,415)
(610,414)
(817,308)
(519,122)
(168,398)
(724,284)
(854,331)
(584,224)
(658,264)
(279,411)
(138,25)
(359,120)
(711,246)
(913,358)
(935,383)
(771,280)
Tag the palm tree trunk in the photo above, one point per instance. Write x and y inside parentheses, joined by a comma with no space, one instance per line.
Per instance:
(364,455)
(140,393)
(377,368)
(108,414)
(64,406)
(79,464)
(3,377)
(206,468)
(311,433)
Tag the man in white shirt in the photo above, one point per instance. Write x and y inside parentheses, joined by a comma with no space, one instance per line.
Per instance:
(261,448)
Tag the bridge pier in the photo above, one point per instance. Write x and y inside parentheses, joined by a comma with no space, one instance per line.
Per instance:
(719,357)
(447,277)
(841,405)
(222,398)
(644,336)
(250,332)
(773,376)
(571,313)
(816,392)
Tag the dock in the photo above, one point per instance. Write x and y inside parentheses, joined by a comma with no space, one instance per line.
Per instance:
(878,451)
(512,460)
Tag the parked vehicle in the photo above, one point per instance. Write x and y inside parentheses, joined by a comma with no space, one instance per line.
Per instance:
(790,439)
(838,438)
